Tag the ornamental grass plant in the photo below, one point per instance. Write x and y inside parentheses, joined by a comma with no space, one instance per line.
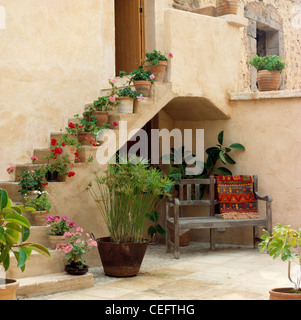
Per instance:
(129,191)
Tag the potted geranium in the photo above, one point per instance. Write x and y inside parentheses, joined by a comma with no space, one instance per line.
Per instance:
(285,243)
(58,227)
(127,192)
(41,205)
(31,180)
(141,79)
(14,232)
(126,97)
(75,249)
(269,71)
(156,63)
(69,146)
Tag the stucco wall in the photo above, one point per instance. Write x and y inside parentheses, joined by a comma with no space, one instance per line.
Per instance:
(55,56)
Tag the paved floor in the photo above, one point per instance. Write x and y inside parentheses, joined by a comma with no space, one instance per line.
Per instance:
(230,273)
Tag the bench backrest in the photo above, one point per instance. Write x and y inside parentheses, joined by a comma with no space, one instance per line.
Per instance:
(190,192)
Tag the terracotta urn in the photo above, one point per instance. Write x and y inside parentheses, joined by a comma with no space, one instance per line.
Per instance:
(100,116)
(54,240)
(224,7)
(157,70)
(39,218)
(143,86)
(268,80)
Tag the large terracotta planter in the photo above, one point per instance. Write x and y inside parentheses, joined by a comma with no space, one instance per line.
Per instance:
(284,294)
(224,7)
(126,105)
(8,289)
(268,80)
(144,87)
(121,260)
(39,218)
(157,70)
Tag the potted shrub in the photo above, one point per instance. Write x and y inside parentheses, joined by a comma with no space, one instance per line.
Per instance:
(41,206)
(269,71)
(285,243)
(127,192)
(31,180)
(14,232)
(58,227)
(156,63)
(224,7)
(142,80)
(74,250)
(126,98)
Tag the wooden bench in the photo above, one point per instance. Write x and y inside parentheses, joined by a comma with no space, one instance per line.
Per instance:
(177,224)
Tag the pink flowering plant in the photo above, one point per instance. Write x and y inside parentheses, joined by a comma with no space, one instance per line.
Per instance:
(59,225)
(76,247)
(155,56)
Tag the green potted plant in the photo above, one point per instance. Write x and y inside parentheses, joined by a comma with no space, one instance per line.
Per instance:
(75,249)
(155,228)
(31,180)
(58,227)
(14,232)
(224,7)
(126,98)
(156,63)
(285,243)
(127,192)
(269,71)
(141,79)
(41,206)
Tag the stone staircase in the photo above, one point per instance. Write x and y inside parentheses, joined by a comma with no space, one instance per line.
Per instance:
(44,276)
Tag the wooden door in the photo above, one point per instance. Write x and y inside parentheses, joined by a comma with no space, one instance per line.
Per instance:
(129,34)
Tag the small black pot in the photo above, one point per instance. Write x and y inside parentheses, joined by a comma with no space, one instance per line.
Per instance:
(76,271)
(51,176)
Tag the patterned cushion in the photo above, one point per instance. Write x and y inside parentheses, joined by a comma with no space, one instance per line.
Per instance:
(236,197)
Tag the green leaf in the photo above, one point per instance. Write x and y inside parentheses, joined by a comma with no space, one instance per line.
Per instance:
(229,159)
(221,137)
(238,146)
(22,258)
(224,171)
(3,199)
(40,249)
(6,261)
(25,233)
(221,155)
(17,219)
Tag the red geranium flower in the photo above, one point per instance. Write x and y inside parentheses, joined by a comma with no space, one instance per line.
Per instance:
(71,125)
(53,141)
(71,174)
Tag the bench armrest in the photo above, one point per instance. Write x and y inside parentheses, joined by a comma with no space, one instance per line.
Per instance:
(266,198)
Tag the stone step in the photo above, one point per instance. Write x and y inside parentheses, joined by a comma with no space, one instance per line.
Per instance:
(12,189)
(37,265)
(41,154)
(53,283)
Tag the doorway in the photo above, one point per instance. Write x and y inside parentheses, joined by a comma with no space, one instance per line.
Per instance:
(129,34)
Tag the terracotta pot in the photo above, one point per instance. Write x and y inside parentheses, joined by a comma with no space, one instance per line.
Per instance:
(100,116)
(70,151)
(184,238)
(284,294)
(8,289)
(144,87)
(54,240)
(157,70)
(39,218)
(224,7)
(126,105)
(121,260)
(76,271)
(84,138)
(268,80)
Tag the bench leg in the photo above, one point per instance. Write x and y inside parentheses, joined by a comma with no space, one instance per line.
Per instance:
(167,237)
(176,233)
(212,239)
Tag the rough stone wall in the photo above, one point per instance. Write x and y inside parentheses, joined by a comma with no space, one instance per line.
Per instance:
(288,14)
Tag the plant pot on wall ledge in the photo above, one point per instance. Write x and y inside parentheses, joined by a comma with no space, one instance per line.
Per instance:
(157,70)
(284,294)
(100,116)
(268,80)
(224,7)
(126,105)
(143,86)
(8,289)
